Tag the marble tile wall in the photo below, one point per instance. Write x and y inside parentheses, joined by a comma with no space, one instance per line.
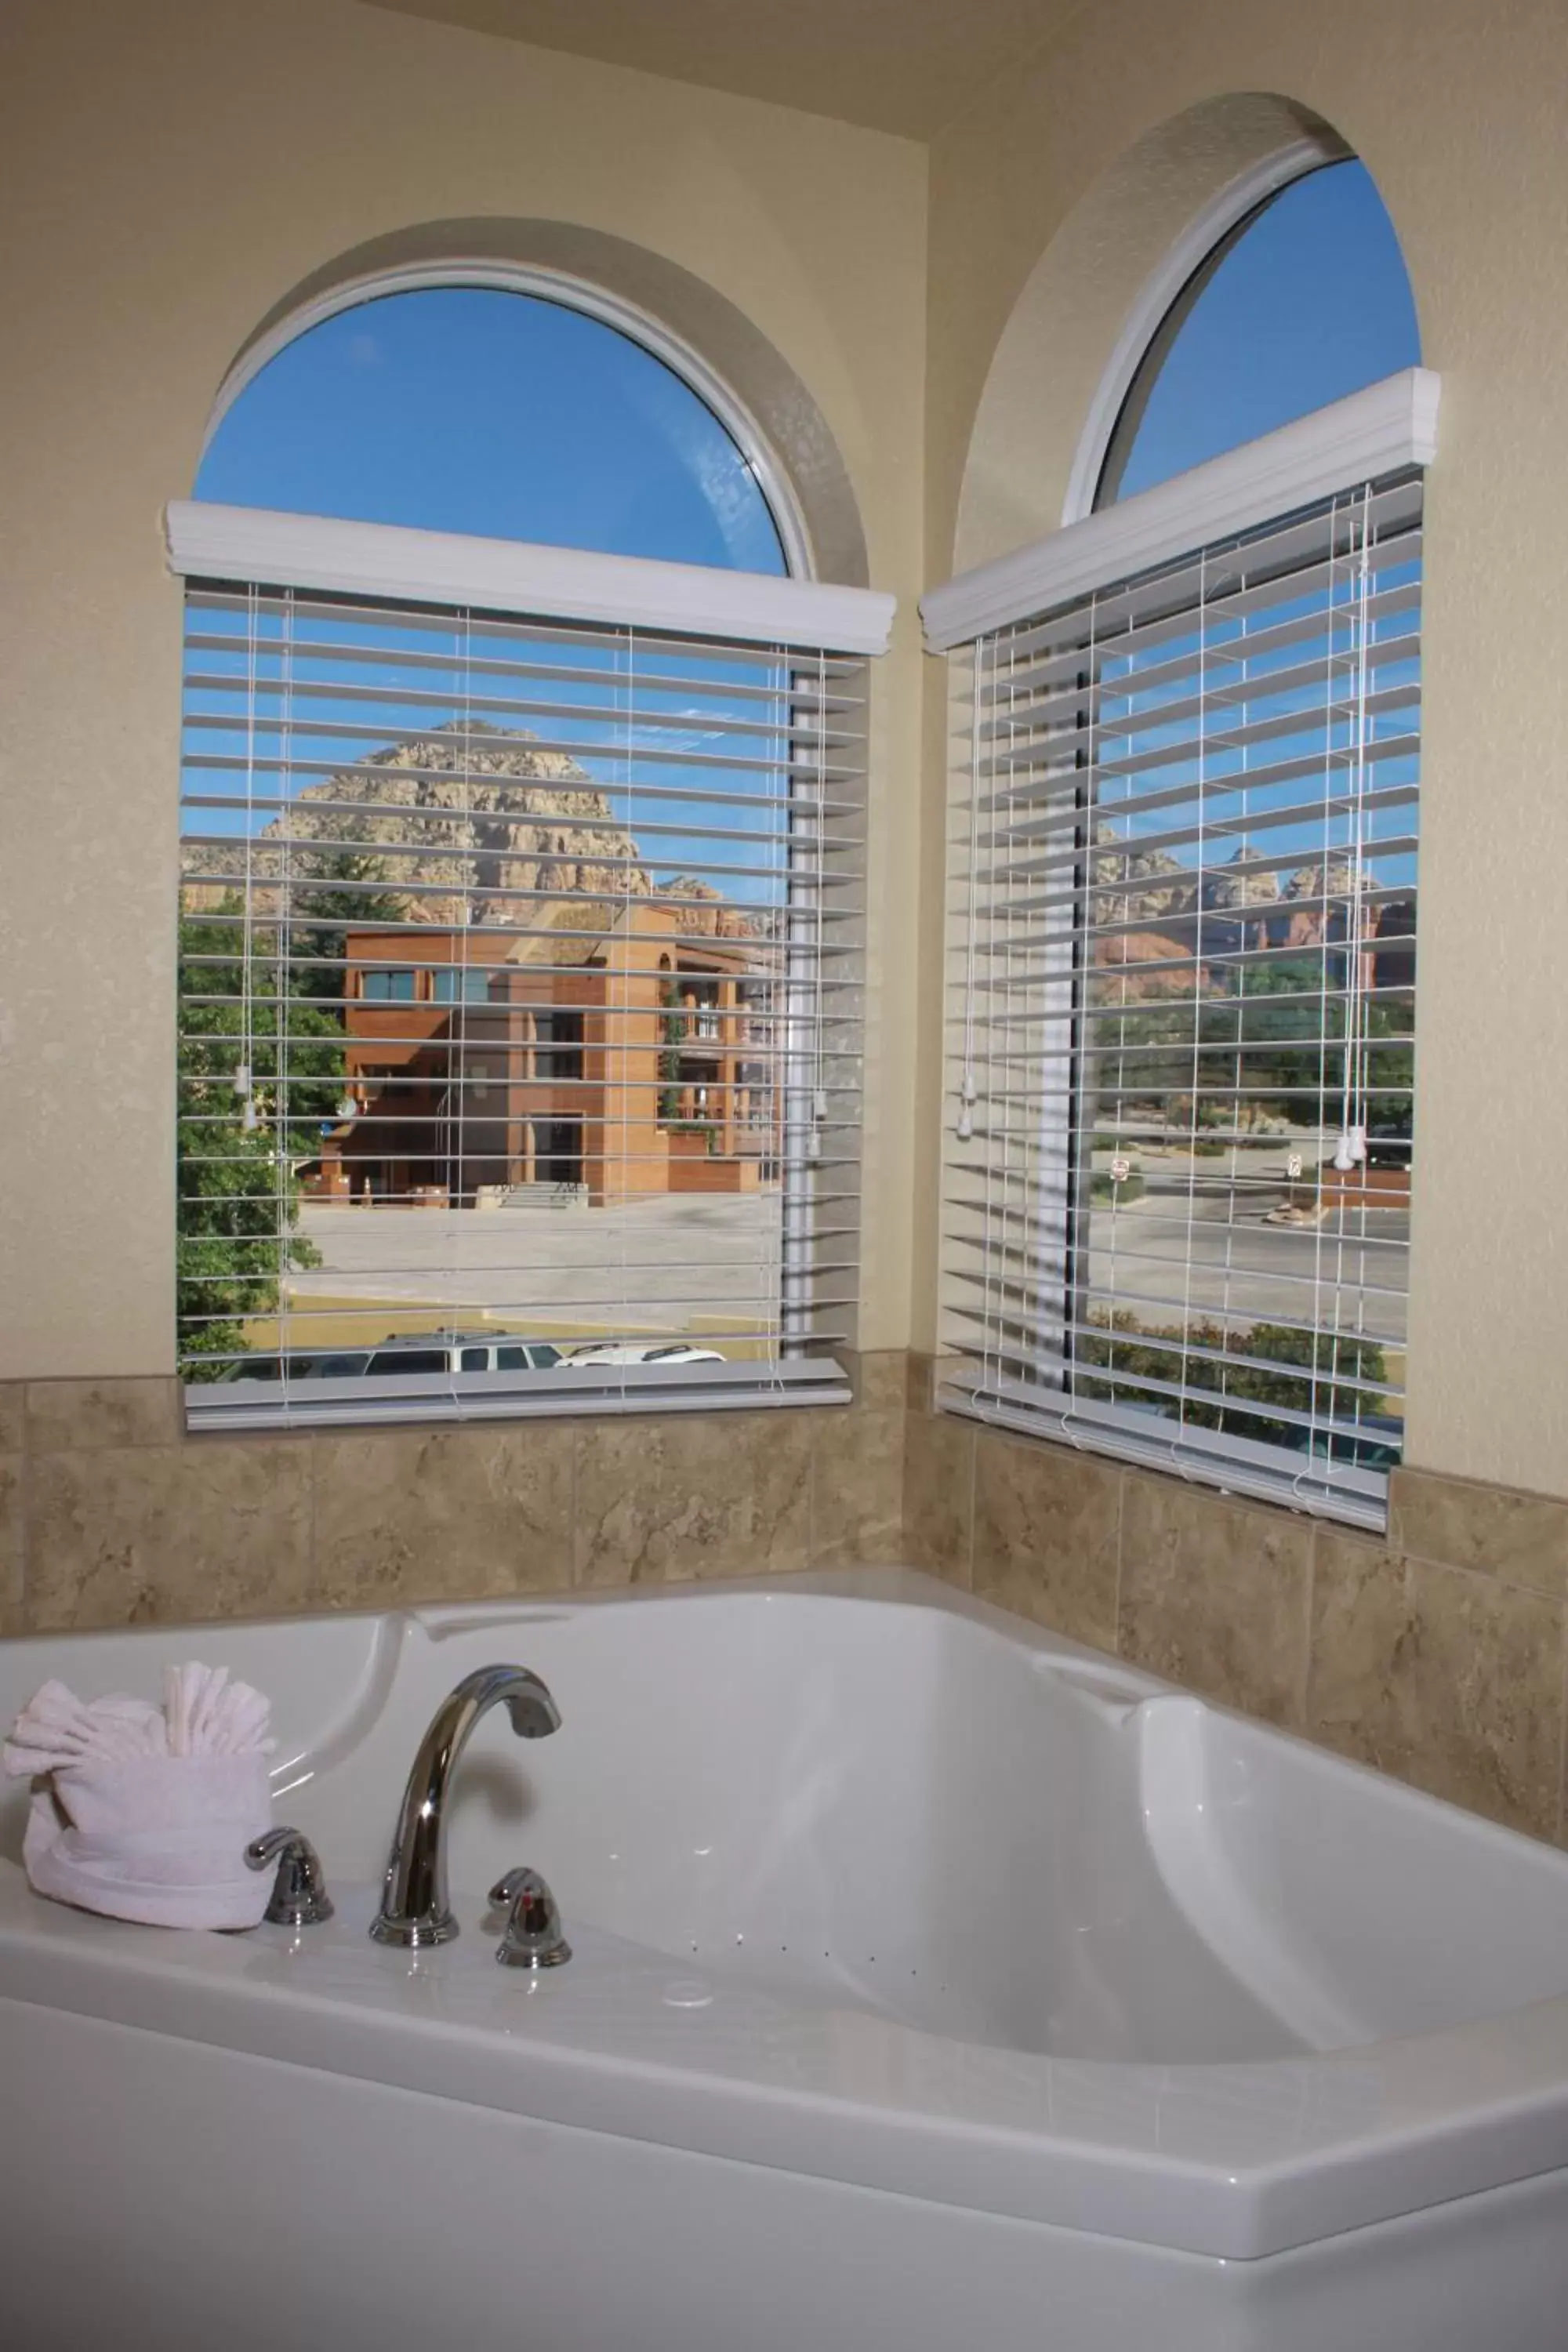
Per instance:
(1439,1654)
(111,1515)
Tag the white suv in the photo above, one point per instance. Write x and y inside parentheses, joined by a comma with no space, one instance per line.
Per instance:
(462,1352)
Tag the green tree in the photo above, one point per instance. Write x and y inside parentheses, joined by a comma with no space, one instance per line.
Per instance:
(345,889)
(1316,1374)
(673,1028)
(1279,1031)
(238,1193)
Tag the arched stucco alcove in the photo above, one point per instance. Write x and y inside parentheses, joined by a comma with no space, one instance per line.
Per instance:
(704,335)
(1089,306)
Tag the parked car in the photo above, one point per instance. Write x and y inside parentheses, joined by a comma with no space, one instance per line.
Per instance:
(462,1352)
(668,1355)
(298,1364)
(402,1353)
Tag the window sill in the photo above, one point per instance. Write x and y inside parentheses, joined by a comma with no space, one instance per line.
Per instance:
(222,1407)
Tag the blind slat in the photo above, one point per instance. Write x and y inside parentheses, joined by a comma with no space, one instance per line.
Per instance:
(520,1001)
(1181,969)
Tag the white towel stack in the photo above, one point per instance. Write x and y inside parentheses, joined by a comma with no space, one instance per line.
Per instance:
(144,1812)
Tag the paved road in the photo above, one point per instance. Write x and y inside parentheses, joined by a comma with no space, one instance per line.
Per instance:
(672,1258)
(1262,1270)
(693,1260)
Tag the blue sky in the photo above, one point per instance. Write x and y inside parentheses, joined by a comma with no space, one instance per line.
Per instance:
(1312,302)
(478,411)
(469,410)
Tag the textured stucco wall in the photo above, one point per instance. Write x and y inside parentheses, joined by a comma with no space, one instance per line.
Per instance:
(1062,176)
(172,169)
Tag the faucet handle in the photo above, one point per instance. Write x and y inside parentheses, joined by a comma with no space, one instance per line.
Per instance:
(300,1897)
(534,1938)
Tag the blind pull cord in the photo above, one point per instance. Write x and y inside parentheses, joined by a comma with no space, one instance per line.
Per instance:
(244,1069)
(967,1090)
(1350,1150)
(819,1092)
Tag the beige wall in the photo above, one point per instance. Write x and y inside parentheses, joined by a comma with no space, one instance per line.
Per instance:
(176,167)
(1456,107)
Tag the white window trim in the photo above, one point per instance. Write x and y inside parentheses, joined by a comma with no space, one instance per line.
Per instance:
(1182,261)
(436,567)
(1390,425)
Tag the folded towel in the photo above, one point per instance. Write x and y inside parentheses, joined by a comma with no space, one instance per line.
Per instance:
(160,1839)
(144,1814)
(209,1715)
(55,1729)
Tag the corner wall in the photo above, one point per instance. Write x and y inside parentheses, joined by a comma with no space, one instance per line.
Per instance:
(1437,1656)
(174,169)
(1455,108)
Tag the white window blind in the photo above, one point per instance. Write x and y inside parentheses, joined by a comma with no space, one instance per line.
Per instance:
(1181,1003)
(520,980)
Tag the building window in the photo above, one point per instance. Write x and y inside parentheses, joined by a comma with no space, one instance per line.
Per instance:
(452,984)
(558,1044)
(1183,943)
(455,841)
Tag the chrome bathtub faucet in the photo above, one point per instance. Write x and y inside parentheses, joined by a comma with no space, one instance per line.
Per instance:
(535,1937)
(300,1897)
(413,1907)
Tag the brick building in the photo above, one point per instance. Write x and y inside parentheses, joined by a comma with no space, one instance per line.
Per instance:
(639,1061)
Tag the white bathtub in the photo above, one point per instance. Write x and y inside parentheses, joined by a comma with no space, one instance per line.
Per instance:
(936,1982)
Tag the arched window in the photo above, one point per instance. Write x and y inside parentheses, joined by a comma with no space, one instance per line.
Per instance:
(1305,299)
(474,409)
(1185,887)
(508,706)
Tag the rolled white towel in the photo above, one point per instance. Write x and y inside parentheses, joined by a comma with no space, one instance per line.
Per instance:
(157,1839)
(144,1812)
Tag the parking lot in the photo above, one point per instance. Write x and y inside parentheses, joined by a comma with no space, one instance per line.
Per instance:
(559,1268)
(704,1264)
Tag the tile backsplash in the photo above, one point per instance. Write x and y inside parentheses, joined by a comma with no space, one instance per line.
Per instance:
(110,1515)
(1438,1655)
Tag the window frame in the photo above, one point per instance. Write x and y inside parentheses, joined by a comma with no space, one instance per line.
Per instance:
(544,285)
(1180,273)
(1386,430)
(385,993)
(795,624)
